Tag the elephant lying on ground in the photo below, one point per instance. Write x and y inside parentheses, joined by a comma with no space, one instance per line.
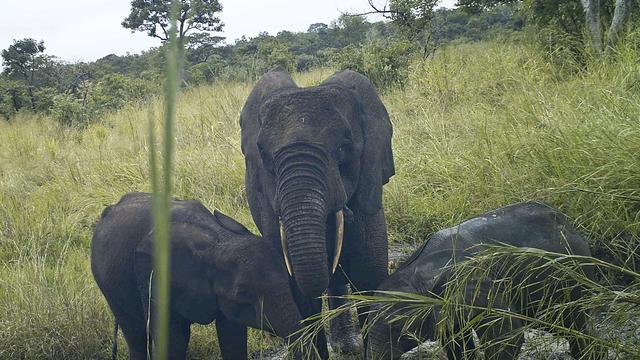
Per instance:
(219,270)
(427,272)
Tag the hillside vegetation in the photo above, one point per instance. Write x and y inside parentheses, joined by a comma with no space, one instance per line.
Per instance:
(476,126)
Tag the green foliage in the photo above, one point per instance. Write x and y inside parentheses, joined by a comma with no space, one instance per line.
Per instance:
(413,17)
(69,110)
(202,73)
(458,24)
(349,29)
(110,93)
(43,97)
(152,17)
(14,95)
(113,91)
(23,58)
(201,46)
(276,53)
(564,17)
(305,62)
(384,63)
(84,92)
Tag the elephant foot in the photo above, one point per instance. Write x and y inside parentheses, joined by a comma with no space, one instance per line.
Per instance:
(344,336)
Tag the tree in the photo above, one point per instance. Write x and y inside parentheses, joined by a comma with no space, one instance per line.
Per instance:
(22,60)
(349,29)
(277,53)
(595,12)
(414,19)
(153,16)
(201,46)
(318,28)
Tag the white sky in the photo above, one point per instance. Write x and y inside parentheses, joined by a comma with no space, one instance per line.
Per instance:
(86,30)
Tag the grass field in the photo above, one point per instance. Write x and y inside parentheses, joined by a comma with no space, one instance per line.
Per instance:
(476,127)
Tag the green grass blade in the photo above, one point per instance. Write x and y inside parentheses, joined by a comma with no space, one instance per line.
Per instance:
(162,196)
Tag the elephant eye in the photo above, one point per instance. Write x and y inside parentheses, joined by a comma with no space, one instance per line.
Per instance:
(266,159)
(342,152)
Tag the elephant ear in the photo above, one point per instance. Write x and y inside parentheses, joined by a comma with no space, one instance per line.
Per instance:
(192,280)
(250,123)
(258,180)
(230,224)
(377,158)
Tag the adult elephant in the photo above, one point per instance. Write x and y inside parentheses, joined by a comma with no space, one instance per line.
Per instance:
(316,161)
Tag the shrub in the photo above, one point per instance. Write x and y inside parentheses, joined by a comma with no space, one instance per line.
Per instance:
(384,63)
(305,62)
(113,91)
(69,110)
(277,53)
(14,95)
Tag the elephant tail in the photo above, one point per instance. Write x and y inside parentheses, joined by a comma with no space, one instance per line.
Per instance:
(114,346)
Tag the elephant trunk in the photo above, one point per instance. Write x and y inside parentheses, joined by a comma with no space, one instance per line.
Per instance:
(282,313)
(302,197)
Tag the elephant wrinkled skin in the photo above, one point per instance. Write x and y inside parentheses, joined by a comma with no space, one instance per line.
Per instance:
(219,270)
(316,161)
(426,272)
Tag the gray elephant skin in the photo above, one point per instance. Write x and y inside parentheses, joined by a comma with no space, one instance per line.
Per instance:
(219,270)
(531,225)
(316,161)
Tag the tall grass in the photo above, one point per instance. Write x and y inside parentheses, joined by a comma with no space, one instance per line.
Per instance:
(161,187)
(476,127)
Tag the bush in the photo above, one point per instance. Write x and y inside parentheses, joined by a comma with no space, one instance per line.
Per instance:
(69,110)
(384,63)
(113,91)
(44,98)
(277,54)
(305,62)
(14,95)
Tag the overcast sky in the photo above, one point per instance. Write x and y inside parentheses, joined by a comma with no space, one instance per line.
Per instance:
(85,30)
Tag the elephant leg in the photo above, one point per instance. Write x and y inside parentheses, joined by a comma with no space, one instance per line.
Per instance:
(582,347)
(135,333)
(367,263)
(343,334)
(179,334)
(232,339)
(321,339)
(131,319)
(501,336)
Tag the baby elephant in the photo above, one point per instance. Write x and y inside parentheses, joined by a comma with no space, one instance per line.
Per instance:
(219,270)
(426,272)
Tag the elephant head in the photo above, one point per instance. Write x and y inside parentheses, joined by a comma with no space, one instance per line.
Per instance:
(313,154)
(219,267)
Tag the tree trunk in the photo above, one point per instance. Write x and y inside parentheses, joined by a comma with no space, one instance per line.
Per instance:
(592,20)
(619,17)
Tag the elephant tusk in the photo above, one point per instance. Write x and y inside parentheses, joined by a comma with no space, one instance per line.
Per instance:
(285,252)
(339,239)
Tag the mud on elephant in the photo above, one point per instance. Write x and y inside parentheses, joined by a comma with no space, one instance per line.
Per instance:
(219,270)
(428,272)
(316,161)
